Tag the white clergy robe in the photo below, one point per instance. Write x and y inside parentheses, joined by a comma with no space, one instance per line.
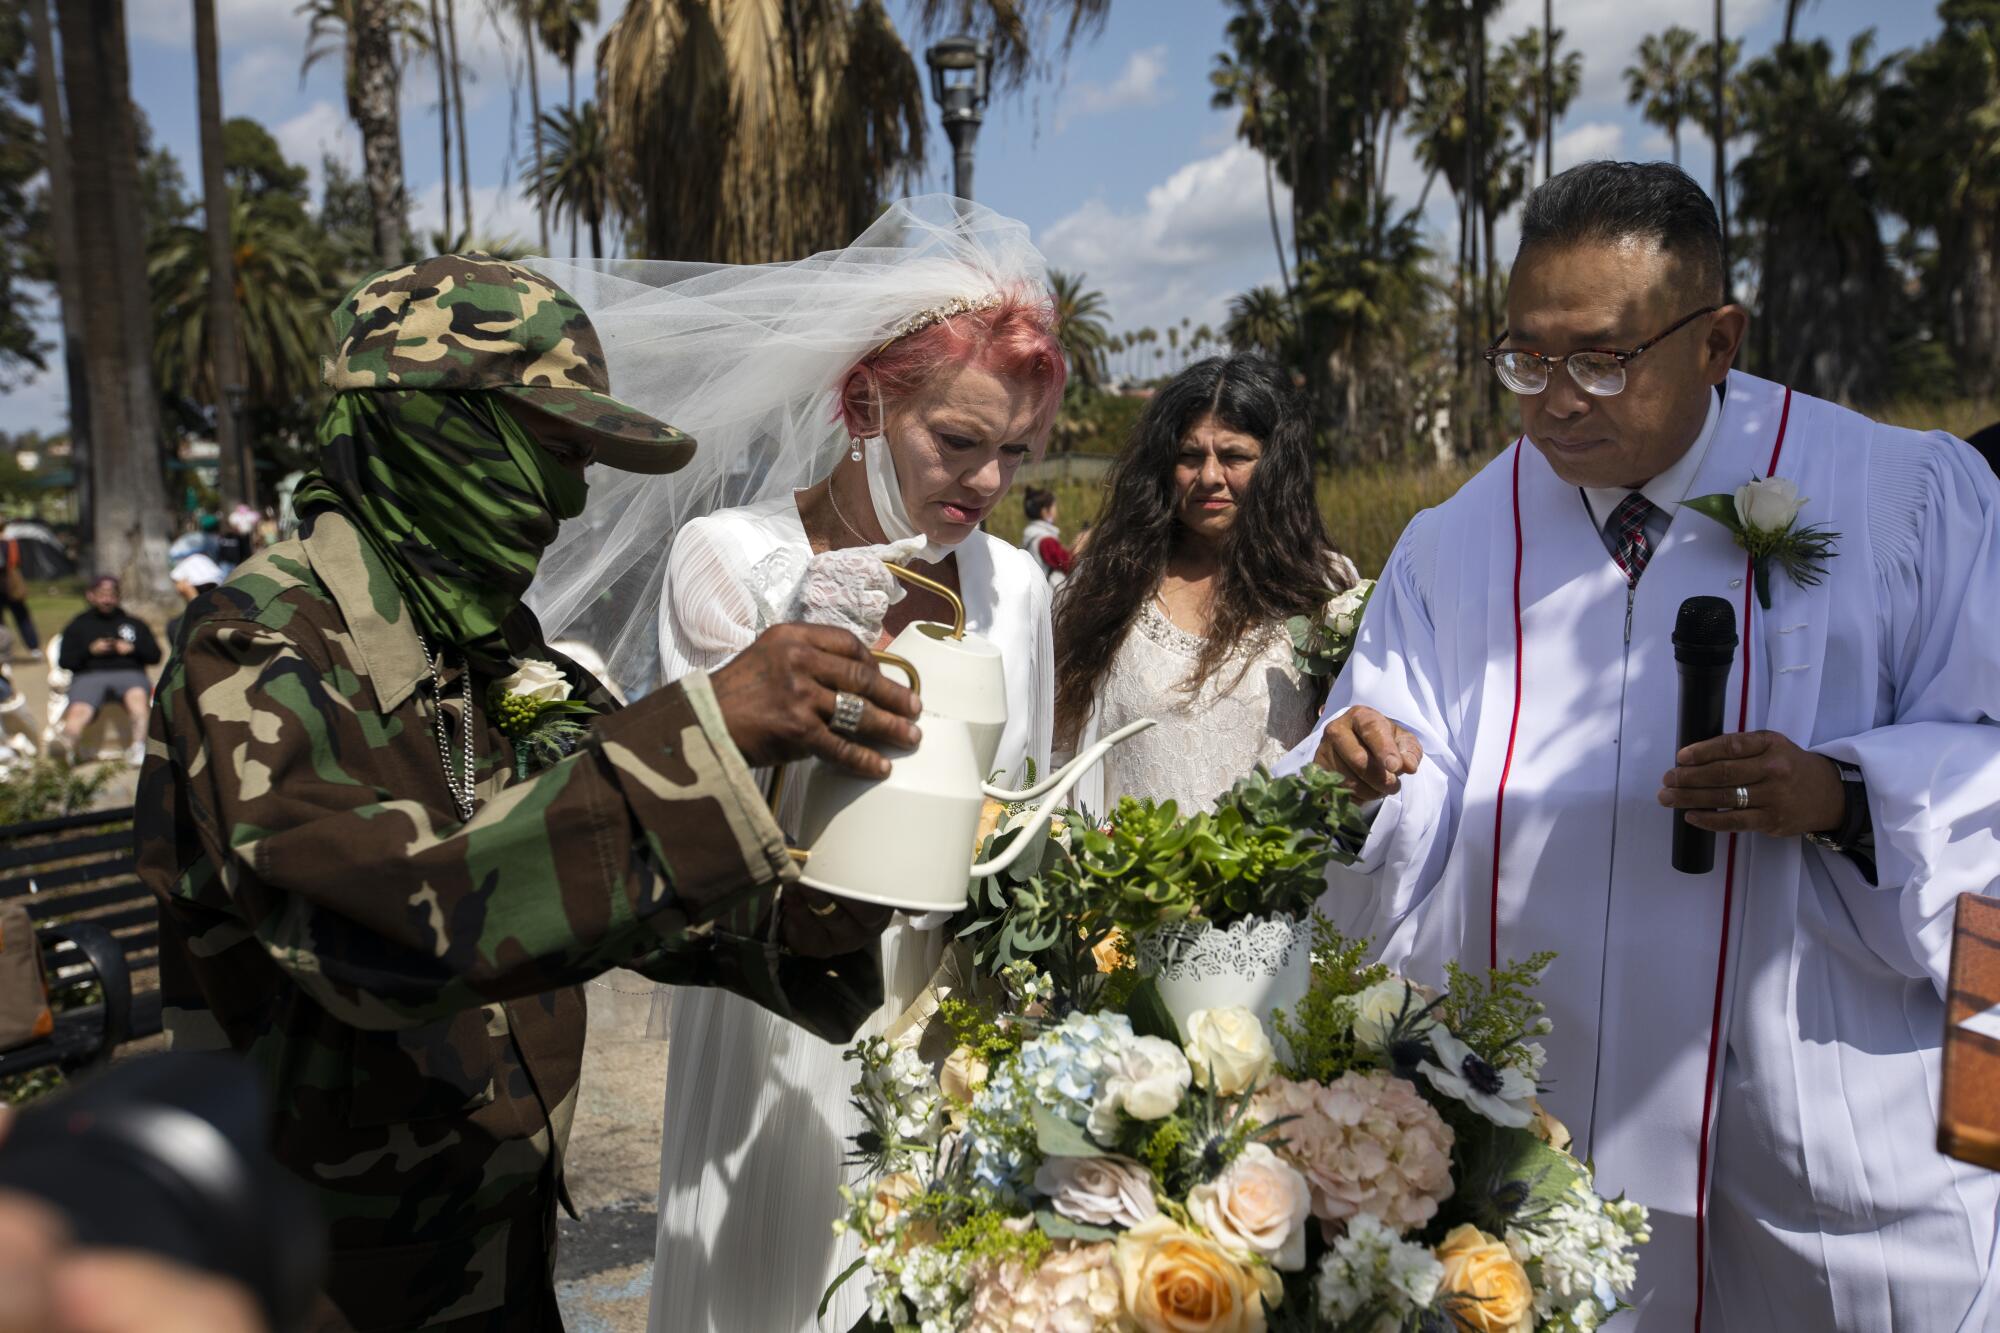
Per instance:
(1752,1053)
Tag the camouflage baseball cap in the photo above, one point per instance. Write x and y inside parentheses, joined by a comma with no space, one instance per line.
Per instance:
(469,322)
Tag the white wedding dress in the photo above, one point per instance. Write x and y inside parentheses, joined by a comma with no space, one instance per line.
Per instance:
(757,1111)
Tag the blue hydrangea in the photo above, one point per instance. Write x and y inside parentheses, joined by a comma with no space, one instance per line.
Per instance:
(1062,1071)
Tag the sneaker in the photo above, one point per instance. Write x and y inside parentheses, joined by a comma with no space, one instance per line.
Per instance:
(136,754)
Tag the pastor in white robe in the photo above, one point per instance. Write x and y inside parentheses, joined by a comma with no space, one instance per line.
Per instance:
(1752,1053)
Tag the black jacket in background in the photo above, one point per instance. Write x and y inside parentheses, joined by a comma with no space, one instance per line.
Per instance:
(93,625)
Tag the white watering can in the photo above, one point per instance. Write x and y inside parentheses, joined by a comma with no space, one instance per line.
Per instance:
(905,841)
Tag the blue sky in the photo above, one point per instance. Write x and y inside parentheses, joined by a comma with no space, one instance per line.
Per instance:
(1118,165)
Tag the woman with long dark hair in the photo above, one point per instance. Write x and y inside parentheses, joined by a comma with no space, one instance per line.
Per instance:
(1210,541)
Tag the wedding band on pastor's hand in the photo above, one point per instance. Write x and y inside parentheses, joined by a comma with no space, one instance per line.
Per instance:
(1742,798)
(846,718)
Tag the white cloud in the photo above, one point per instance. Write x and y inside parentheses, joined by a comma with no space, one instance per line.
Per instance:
(322,128)
(1607,32)
(501,212)
(1137,85)
(1588,142)
(1203,235)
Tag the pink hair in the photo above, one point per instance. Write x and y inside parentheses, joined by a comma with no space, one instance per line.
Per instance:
(1015,339)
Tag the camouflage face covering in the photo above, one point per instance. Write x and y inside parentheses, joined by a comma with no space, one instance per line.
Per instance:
(456,497)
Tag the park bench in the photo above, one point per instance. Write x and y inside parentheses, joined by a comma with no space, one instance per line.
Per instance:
(99,930)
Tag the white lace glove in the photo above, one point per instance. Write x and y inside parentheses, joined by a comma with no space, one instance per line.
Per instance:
(850,589)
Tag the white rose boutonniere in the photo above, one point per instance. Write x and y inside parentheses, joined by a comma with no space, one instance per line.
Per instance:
(1763,517)
(534,709)
(1320,645)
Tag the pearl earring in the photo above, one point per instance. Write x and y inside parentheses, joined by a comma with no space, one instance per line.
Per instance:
(855,451)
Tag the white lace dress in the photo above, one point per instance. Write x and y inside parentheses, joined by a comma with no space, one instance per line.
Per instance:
(757,1113)
(1251,710)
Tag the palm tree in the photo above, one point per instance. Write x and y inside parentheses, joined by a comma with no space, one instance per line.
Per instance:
(130,497)
(284,300)
(577,178)
(1543,87)
(1811,182)
(367,33)
(1718,49)
(236,472)
(562,33)
(1663,82)
(458,103)
(441,53)
(1080,313)
(62,228)
(1259,321)
(528,15)
(1239,84)
(809,111)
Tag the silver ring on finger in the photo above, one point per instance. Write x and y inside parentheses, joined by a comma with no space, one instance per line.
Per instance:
(846,718)
(1742,798)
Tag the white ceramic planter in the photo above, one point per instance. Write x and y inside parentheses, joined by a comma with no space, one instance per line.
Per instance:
(1263,963)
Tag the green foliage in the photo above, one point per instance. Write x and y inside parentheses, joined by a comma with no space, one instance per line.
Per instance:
(1260,852)
(23,219)
(976,1026)
(1315,1041)
(1493,1014)
(51,788)
(20,1089)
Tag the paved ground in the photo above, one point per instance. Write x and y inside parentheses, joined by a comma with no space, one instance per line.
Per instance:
(604,1272)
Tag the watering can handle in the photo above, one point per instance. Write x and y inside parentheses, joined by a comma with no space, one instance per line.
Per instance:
(916,688)
(1051,790)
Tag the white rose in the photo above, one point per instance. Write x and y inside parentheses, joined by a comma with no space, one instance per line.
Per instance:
(1343,613)
(1146,1080)
(537,680)
(1258,1206)
(1230,1045)
(1378,1009)
(1098,1191)
(1769,504)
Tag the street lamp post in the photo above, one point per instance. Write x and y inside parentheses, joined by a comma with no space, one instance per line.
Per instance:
(961,80)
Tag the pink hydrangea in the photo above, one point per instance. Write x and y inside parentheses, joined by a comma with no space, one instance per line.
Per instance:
(1366,1143)
(1075,1289)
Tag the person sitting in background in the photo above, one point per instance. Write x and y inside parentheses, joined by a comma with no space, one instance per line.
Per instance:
(106,651)
(192,577)
(1210,541)
(1042,538)
(14,596)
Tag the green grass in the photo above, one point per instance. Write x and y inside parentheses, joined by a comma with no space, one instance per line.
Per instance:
(1365,508)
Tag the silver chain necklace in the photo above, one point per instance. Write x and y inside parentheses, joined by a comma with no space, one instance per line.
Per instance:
(460,784)
(842,517)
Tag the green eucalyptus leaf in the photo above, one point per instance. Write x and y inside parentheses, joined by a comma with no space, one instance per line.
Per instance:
(1057,1227)
(1057,1137)
(1721,508)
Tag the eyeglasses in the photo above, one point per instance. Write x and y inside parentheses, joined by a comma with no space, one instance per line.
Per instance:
(1598,371)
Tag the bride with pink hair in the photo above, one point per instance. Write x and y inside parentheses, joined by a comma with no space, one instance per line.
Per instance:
(868,404)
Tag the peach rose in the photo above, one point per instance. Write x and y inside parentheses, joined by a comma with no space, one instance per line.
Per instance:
(1257,1207)
(1178,1282)
(1110,953)
(1492,1288)
(964,1074)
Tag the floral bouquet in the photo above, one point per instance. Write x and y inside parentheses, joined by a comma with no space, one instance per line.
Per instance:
(1321,644)
(1066,1169)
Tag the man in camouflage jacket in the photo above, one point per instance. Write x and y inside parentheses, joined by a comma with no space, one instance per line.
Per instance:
(402,956)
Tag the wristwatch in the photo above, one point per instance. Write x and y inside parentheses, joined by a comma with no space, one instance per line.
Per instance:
(1854,835)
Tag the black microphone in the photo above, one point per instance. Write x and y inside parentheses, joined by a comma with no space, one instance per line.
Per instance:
(1704,649)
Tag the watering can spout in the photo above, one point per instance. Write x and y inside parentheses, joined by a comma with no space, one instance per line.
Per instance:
(1050,792)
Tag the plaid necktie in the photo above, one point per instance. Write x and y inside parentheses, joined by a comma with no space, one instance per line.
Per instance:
(1630,546)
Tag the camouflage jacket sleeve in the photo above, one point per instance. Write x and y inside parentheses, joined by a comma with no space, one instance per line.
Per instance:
(651,842)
